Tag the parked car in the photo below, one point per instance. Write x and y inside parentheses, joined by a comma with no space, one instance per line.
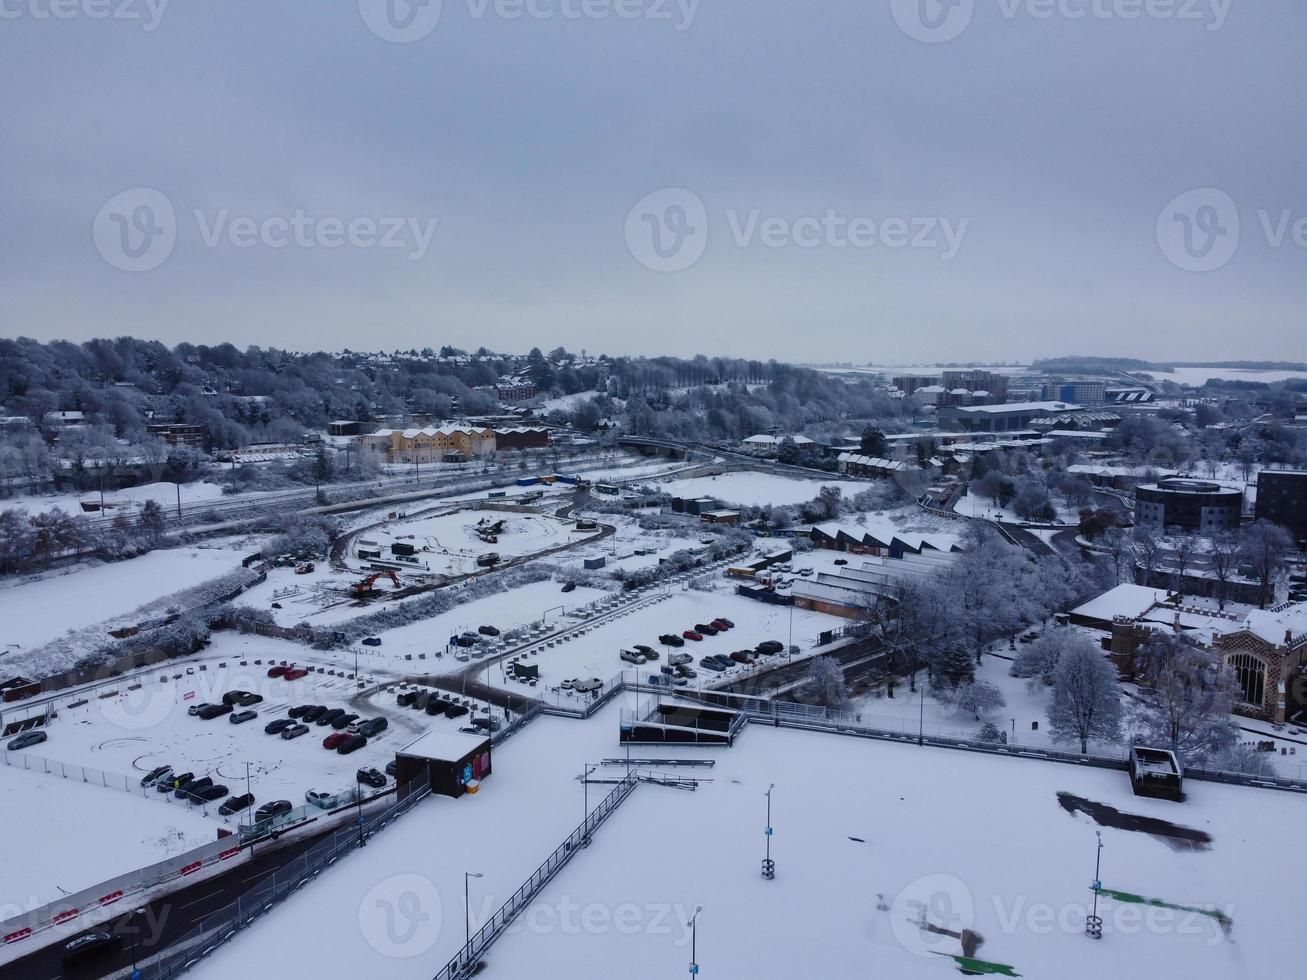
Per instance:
(213,711)
(235,804)
(436,706)
(250,699)
(26,739)
(841,561)
(768,647)
(373,726)
(372,641)
(649,652)
(278,726)
(195,709)
(723,619)
(706,629)
(295,731)
(671,640)
(231,697)
(405,698)
(456,710)
(351,743)
(90,945)
(241,717)
(206,794)
(295,674)
(692,635)
(720,625)
(465,641)
(298,710)
(677,659)
(327,717)
(569,587)
(173,782)
(274,809)
(156,774)
(488,631)
(372,778)
(392,767)
(191,786)
(686,671)
(712,663)
(334,739)
(318,798)
(631,657)
(740,657)
(278,671)
(313,712)
(343,722)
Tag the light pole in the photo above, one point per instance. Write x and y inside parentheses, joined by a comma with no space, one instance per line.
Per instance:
(467,905)
(694,940)
(131,924)
(358,795)
(768,865)
(585,797)
(921,721)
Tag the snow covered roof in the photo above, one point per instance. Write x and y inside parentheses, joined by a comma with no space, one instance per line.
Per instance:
(765,440)
(1272,624)
(884,534)
(444,745)
(1127,600)
(1019,407)
(876,462)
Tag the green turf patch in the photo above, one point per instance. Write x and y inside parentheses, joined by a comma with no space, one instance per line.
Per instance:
(969,965)
(1225,921)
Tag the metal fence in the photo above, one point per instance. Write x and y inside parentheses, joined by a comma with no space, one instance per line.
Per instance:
(98,777)
(466,958)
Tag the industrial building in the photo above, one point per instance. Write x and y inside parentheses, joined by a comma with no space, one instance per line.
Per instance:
(1000,418)
(431,445)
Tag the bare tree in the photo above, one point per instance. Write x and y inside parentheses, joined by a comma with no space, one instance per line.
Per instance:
(1266,547)
(1147,550)
(1086,697)
(1180,548)
(1186,698)
(1224,551)
(1118,552)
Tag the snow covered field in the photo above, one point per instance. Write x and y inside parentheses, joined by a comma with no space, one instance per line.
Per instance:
(757,489)
(130,498)
(869,837)
(38,611)
(62,835)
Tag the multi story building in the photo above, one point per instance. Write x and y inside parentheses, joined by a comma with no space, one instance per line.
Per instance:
(994,385)
(909,383)
(1190,505)
(1282,498)
(431,445)
(1091,394)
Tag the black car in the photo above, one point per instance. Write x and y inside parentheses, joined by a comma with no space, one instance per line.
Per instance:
(705,629)
(278,726)
(241,717)
(352,743)
(456,710)
(672,640)
(768,647)
(343,722)
(236,803)
(372,778)
(327,717)
(392,767)
(274,809)
(313,712)
(207,795)
(231,697)
(712,663)
(298,710)
(89,945)
(649,652)
(373,726)
(250,699)
(211,711)
(488,631)
(192,786)
(176,780)
(436,706)
(569,587)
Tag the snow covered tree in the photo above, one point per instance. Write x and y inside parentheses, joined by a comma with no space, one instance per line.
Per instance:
(1086,697)
(1245,759)
(152,519)
(980,698)
(1037,661)
(826,683)
(991,733)
(1185,698)
(1266,547)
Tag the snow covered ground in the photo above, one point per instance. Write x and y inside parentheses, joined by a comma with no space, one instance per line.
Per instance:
(869,838)
(757,489)
(62,835)
(40,610)
(130,498)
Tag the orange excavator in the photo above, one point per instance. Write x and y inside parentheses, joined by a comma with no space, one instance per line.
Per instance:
(365,587)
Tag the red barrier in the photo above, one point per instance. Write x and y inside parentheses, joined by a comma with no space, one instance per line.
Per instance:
(191,868)
(111,897)
(230,853)
(13,937)
(64,916)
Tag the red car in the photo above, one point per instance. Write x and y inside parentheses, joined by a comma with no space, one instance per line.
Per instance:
(692,635)
(722,624)
(296,674)
(278,671)
(334,739)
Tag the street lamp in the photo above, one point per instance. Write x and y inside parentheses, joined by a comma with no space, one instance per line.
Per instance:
(467,905)
(585,797)
(358,795)
(694,940)
(131,926)
(1094,924)
(921,721)
(768,865)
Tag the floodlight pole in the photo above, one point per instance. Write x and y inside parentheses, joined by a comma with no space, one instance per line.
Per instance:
(1094,924)
(921,722)
(467,905)
(585,797)
(768,865)
(694,940)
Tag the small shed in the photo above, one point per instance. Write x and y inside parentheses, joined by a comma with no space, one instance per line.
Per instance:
(451,762)
(1156,773)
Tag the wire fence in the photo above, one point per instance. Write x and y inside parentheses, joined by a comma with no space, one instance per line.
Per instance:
(98,777)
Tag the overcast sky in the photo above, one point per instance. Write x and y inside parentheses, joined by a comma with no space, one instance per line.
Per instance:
(841,180)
